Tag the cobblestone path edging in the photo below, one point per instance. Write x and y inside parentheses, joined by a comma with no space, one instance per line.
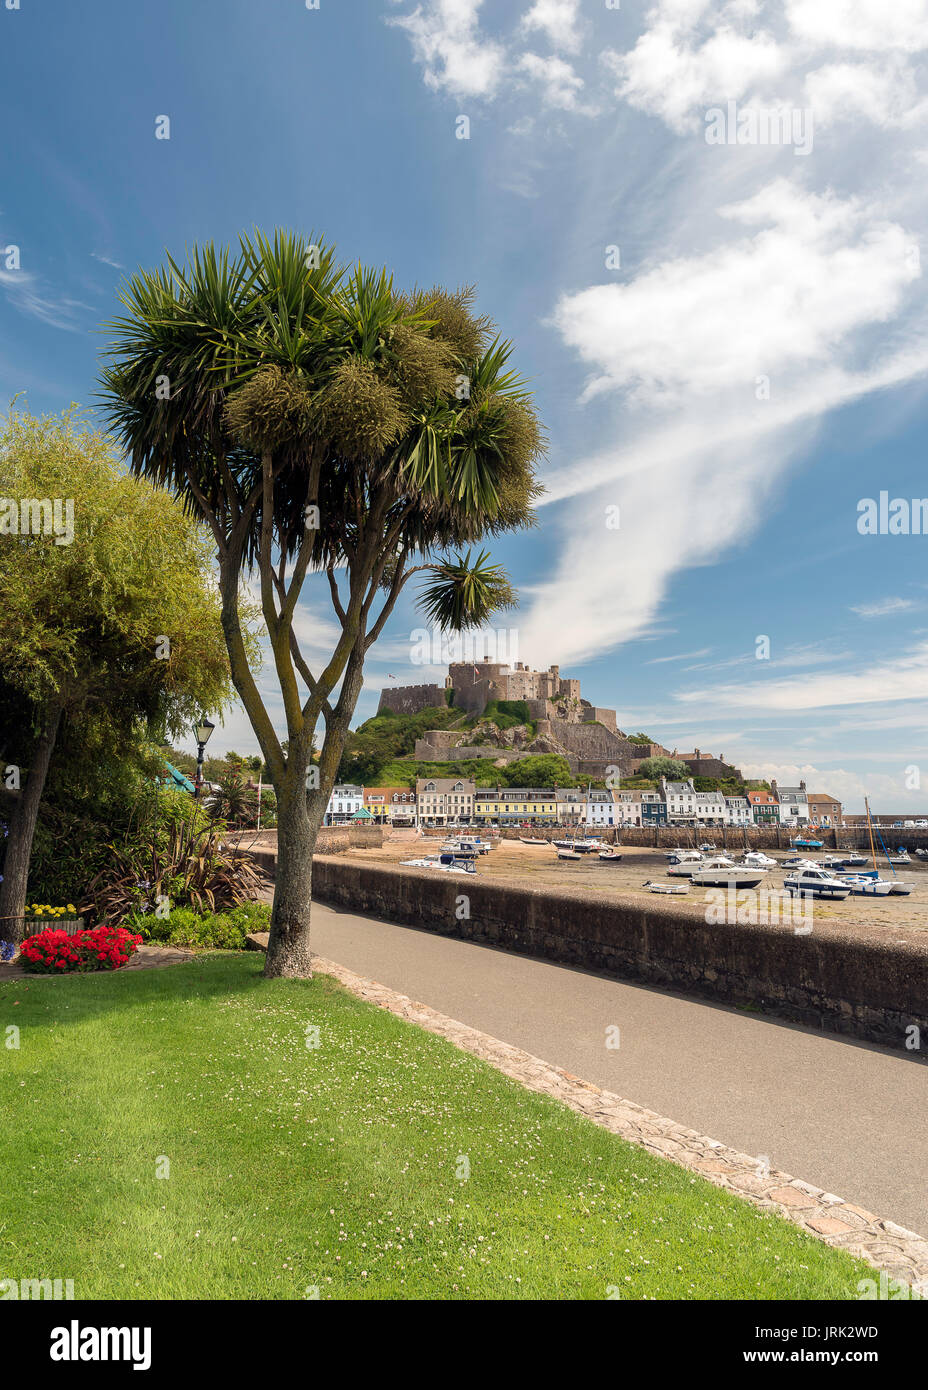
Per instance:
(902,1253)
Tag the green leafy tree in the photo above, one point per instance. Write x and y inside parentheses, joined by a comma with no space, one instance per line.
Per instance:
(322,422)
(671,768)
(118,628)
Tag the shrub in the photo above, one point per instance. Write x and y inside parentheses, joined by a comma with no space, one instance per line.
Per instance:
(218,931)
(52,951)
(187,867)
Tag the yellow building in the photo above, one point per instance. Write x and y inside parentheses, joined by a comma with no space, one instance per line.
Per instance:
(513,805)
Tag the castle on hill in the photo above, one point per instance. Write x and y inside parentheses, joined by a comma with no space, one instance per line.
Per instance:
(586,735)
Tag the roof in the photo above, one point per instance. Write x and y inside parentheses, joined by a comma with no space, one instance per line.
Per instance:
(823,796)
(363,814)
(547,792)
(680,788)
(762,799)
(384,793)
(442,785)
(178,778)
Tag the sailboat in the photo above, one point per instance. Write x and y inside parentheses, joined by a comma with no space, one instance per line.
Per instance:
(896,884)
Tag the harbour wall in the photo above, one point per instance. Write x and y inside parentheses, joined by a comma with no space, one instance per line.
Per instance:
(844,979)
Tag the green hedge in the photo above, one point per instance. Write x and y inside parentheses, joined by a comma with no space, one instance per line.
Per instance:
(218,931)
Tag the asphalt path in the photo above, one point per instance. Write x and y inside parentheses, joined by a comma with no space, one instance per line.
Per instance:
(849,1116)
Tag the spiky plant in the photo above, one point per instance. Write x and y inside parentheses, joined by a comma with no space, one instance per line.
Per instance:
(322,422)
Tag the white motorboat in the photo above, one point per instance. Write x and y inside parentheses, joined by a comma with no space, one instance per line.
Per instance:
(756,859)
(460,848)
(814,882)
(434,861)
(686,864)
(667,887)
(853,860)
(863,885)
(900,857)
(585,846)
(708,847)
(608,856)
(722,872)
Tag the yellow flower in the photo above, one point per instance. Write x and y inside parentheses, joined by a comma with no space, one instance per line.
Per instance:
(71,907)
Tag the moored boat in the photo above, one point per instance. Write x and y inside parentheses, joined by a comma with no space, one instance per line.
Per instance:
(666,887)
(607,856)
(722,872)
(814,882)
(568,854)
(687,863)
(866,886)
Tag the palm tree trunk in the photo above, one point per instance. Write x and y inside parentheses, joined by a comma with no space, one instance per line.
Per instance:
(288,950)
(22,831)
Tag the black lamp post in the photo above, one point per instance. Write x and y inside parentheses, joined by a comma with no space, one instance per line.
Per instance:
(202,733)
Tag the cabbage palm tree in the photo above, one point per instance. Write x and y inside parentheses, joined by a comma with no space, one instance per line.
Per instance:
(322,422)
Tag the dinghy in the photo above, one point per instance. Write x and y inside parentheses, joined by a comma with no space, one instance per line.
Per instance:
(667,887)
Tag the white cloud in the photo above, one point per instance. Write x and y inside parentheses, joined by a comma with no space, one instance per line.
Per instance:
(887,94)
(680,656)
(902,678)
(819,269)
(561,86)
(558,20)
(883,607)
(456,56)
(870,25)
(27,294)
(671,74)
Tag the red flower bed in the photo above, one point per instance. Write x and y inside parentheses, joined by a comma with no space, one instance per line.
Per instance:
(100,948)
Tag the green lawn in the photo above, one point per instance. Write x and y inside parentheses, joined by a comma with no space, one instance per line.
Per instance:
(334,1167)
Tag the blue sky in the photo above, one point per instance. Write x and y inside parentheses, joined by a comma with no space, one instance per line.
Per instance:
(746,369)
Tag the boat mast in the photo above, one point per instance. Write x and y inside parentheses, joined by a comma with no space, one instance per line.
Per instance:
(870,828)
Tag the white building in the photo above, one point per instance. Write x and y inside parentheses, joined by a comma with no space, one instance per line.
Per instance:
(793,803)
(444,801)
(710,808)
(571,806)
(628,807)
(737,811)
(344,802)
(681,800)
(601,809)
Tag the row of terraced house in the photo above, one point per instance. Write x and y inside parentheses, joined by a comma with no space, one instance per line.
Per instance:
(439,801)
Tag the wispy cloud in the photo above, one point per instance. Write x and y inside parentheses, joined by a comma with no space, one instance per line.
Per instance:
(882,607)
(901,678)
(27,294)
(680,656)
